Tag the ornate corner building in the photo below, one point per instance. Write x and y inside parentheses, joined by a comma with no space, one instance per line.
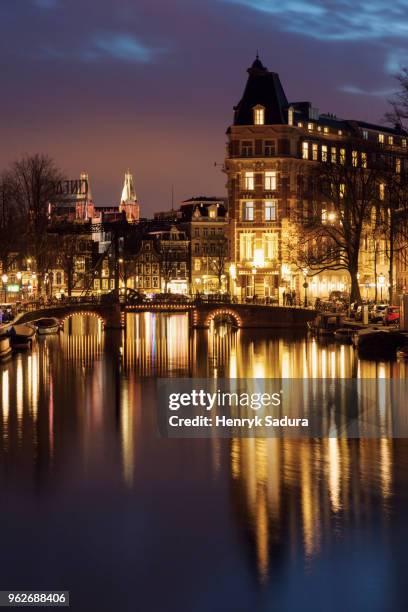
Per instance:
(272,145)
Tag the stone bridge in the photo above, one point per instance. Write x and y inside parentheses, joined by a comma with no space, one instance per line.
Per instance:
(252,315)
(201,314)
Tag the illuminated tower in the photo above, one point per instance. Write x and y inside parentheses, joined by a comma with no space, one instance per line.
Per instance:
(128,201)
(85,208)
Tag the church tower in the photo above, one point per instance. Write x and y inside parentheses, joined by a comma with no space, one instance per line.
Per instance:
(85,208)
(128,201)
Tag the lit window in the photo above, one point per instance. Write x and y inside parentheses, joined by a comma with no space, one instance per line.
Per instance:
(343,156)
(390,140)
(290,115)
(340,133)
(354,157)
(305,150)
(314,152)
(333,155)
(364,160)
(270,210)
(404,142)
(269,148)
(365,134)
(246,246)
(310,126)
(259,115)
(342,190)
(249,181)
(249,211)
(197,265)
(398,165)
(271,246)
(319,128)
(300,124)
(324,153)
(381,138)
(326,129)
(270,181)
(324,215)
(382,191)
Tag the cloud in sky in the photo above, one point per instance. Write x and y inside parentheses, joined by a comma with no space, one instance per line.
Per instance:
(342,20)
(360,91)
(118,46)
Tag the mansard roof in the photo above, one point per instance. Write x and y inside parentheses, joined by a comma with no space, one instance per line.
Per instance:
(265,89)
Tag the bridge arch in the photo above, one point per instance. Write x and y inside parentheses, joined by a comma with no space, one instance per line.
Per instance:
(88,313)
(223,313)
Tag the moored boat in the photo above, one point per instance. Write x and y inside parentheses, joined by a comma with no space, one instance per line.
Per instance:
(47,326)
(5,348)
(344,334)
(22,336)
(379,342)
(326,323)
(402,352)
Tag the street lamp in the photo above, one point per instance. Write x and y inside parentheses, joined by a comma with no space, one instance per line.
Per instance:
(381,282)
(4,279)
(305,285)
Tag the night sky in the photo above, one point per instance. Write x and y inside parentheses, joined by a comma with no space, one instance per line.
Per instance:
(102,85)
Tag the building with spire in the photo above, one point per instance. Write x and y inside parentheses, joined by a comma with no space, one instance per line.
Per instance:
(84,206)
(128,202)
(273,144)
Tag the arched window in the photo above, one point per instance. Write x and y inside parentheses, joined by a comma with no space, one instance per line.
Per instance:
(259,115)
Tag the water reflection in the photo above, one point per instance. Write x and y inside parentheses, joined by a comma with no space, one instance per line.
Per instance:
(78,411)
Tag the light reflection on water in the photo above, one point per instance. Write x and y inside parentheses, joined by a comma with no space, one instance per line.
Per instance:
(77,416)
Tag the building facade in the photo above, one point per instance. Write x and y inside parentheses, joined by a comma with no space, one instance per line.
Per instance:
(206,222)
(272,145)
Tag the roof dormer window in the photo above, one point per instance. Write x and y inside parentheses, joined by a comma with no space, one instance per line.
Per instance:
(259,115)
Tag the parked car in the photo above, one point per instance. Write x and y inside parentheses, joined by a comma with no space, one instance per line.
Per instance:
(392,315)
(378,313)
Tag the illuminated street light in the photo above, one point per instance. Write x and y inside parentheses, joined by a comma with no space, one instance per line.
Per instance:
(381,282)
(305,284)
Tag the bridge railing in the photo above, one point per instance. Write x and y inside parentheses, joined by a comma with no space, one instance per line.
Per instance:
(106,300)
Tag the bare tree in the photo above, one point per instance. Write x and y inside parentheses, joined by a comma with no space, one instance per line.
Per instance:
(66,259)
(392,217)
(11,225)
(219,258)
(330,231)
(398,114)
(33,180)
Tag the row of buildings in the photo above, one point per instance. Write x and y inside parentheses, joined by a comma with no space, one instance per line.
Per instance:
(245,243)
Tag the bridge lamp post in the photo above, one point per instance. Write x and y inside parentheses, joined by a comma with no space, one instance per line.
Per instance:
(381,282)
(4,279)
(233,276)
(253,282)
(305,285)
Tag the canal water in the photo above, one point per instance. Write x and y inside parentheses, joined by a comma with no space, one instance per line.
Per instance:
(94,502)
